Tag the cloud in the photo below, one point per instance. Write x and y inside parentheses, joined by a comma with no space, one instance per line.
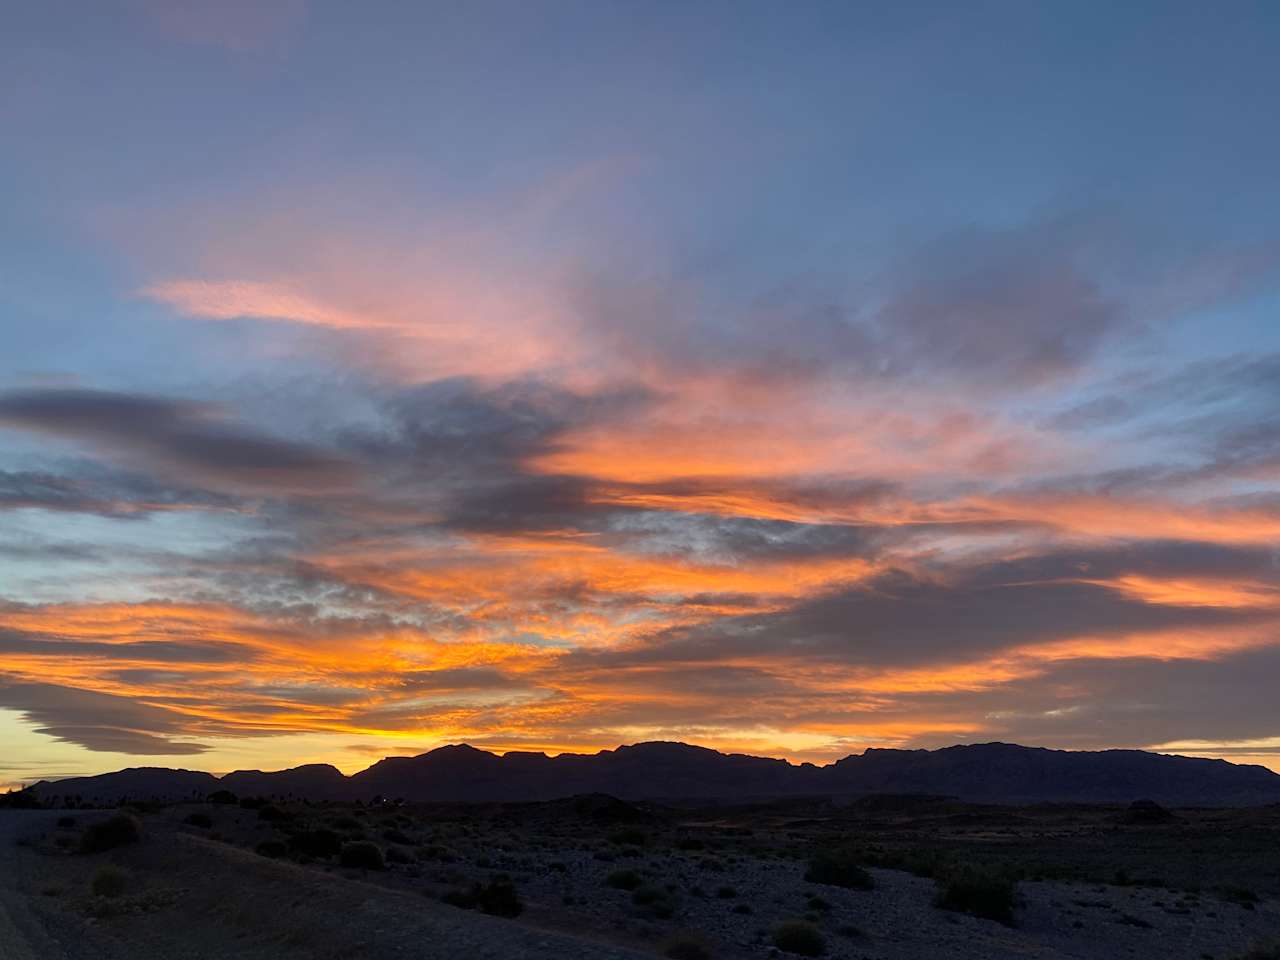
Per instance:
(97,721)
(193,442)
(1004,308)
(229,300)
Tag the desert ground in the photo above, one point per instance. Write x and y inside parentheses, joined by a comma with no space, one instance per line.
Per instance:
(883,878)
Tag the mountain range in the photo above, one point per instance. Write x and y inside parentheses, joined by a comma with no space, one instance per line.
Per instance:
(988,772)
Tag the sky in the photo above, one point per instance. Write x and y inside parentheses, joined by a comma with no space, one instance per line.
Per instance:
(784,378)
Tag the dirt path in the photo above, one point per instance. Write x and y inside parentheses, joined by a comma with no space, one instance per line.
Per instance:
(22,935)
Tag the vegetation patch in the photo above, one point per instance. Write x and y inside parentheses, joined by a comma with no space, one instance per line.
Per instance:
(838,868)
(109,882)
(318,844)
(686,946)
(978,891)
(113,832)
(623,880)
(362,855)
(799,937)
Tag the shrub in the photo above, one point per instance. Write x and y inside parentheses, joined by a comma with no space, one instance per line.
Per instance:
(742,908)
(1261,950)
(66,823)
(686,946)
(838,868)
(498,897)
(654,902)
(464,899)
(199,820)
(977,891)
(362,855)
(109,882)
(319,844)
(271,813)
(398,855)
(796,936)
(275,849)
(436,851)
(223,797)
(1241,895)
(817,903)
(726,893)
(111,833)
(395,835)
(623,880)
(253,803)
(628,838)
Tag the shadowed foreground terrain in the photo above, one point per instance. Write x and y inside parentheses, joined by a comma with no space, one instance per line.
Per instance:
(592,876)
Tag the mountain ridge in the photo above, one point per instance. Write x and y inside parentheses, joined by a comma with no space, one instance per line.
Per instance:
(654,770)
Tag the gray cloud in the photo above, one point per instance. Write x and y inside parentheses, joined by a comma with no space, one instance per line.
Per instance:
(190,440)
(98,721)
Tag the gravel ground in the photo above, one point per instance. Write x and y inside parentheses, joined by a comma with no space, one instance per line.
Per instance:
(203,893)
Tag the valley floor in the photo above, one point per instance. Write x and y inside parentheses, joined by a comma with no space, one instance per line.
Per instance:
(595,883)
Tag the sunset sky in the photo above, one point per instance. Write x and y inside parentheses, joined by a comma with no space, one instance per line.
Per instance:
(786,378)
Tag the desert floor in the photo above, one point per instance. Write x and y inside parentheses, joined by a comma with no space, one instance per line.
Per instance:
(703,884)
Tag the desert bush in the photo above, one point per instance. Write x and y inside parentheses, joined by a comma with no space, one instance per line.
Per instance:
(362,855)
(686,946)
(109,882)
(395,835)
(819,904)
(796,936)
(439,852)
(1241,895)
(654,902)
(271,813)
(623,880)
(744,908)
(1260,950)
(498,897)
(111,833)
(398,855)
(462,898)
(346,823)
(628,838)
(223,797)
(838,868)
(319,844)
(726,893)
(199,820)
(275,849)
(253,803)
(66,823)
(978,891)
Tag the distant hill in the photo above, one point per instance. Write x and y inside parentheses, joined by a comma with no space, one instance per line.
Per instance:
(991,772)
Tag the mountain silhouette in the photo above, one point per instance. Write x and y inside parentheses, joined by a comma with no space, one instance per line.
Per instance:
(988,772)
